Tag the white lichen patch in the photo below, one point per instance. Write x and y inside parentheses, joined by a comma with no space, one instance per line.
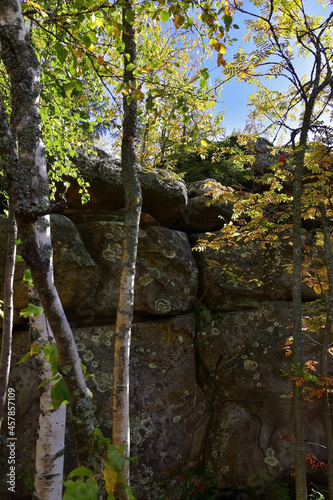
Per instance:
(177,419)
(152,365)
(215,331)
(146,279)
(170,253)
(106,339)
(180,339)
(256,376)
(112,253)
(96,339)
(88,355)
(270,457)
(251,365)
(255,344)
(162,305)
(103,381)
(80,346)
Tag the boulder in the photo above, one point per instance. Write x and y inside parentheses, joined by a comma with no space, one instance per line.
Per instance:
(169,413)
(242,274)
(166,275)
(241,362)
(163,197)
(197,215)
(75,273)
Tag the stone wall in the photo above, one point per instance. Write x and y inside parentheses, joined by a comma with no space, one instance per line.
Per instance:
(207,352)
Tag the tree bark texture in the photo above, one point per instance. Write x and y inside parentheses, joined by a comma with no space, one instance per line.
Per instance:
(133,199)
(7,330)
(50,444)
(27,186)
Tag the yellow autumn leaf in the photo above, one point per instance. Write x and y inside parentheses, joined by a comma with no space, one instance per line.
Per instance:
(178,21)
(37,7)
(139,95)
(110,477)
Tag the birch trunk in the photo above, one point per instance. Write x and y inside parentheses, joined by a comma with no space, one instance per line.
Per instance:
(51,426)
(133,199)
(7,330)
(27,186)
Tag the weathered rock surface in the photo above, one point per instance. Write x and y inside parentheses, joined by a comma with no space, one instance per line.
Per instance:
(75,273)
(163,197)
(169,412)
(241,357)
(241,275)
(166,279)
(204,391)
(197,216)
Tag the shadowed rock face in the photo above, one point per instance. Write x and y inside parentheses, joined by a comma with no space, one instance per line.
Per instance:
(207,341)
(163,198)
(166,279)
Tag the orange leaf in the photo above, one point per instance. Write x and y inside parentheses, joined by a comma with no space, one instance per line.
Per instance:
(220,60)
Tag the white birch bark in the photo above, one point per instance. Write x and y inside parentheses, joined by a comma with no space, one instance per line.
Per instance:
(27,185)
(52,423)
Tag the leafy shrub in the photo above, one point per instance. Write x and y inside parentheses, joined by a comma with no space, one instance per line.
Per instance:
(224,161)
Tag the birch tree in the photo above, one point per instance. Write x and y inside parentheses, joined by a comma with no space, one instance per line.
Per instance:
(27,186)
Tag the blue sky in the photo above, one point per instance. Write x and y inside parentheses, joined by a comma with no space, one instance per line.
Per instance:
(235,94)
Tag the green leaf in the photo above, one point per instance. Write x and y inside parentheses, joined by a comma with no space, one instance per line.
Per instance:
(81,471)
(128,491)
(86,40)
(227,21)
(202,82)
(27,278)
(52,356)
(165,15)
(59,394)
(34,349)
(80,490)
(18,258)
(61,52)
(31,311)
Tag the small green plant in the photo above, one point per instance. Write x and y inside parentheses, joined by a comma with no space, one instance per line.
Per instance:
(315,494)
(27,480)
(83,484)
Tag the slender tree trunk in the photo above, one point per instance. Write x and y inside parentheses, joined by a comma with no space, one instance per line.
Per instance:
(51,427)
(6,343)
(133,198)
(300,465)
(324,349)
(27,186)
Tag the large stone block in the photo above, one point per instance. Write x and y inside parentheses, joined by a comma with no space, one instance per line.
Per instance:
(242,274)
(163,197)
(166,273)
(241,365)
(169,413)
(75,273)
